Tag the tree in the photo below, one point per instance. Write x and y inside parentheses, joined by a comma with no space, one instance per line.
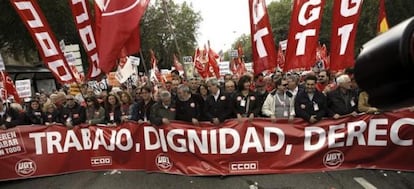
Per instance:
(16,39)
(246,43)
(166,26)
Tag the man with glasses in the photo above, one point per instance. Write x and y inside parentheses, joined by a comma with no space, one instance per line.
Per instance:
(278,103)
(310,104)
(72,113)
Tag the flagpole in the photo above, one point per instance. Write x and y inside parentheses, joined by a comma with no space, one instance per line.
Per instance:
(170,27)
(143,63)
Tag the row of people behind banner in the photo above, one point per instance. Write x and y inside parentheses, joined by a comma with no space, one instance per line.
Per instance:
(310,96)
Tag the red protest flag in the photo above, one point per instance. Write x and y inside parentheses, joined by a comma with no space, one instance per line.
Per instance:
(34,20)
(9,87)
(83,23)
(177,65)
(263,46)
(304,30)
(240,67)
(201,62)
(382,25)
(280,58)
(344,27)
(212,62)
(119,28)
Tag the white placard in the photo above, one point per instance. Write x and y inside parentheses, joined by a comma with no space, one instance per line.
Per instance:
(125,71)
(24,88)
(1,64)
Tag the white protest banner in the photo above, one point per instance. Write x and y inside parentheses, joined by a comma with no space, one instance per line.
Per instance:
(23,88)
(125,70)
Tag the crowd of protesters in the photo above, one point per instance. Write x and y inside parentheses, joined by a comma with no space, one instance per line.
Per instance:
(310,95)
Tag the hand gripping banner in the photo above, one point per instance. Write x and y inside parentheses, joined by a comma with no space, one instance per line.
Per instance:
(382,141)
(38,27)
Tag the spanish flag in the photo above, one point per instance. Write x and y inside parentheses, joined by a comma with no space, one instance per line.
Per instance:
(382,18)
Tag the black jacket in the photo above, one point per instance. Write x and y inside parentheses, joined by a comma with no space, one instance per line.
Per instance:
(342,103)
(11,118)
(76,114)
(305,108)
(222,109)
(33,117)
(187,110)
(241,103)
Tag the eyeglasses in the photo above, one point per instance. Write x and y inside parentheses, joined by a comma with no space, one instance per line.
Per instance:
(285,85)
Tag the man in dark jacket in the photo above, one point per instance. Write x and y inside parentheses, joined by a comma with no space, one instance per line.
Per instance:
(343,100)
(310,104)
(188,106)
(219,105)
(72,113)
(164,110)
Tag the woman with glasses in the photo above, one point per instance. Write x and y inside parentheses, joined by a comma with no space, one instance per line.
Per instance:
(278,102)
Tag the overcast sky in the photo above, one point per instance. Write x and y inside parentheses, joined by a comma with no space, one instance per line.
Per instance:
(223,21)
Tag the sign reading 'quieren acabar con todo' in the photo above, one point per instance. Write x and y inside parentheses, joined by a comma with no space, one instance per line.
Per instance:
(256,147)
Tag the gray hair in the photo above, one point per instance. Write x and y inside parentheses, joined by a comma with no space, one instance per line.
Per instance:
(164,94)
(213,81)
(183,88)
(342,79)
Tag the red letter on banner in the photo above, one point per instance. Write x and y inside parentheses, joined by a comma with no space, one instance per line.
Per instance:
(303,33)
(83,24)
(344,24)
(264,51)
(36,23)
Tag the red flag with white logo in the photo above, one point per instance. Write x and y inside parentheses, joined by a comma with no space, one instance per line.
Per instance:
(82,18)
(119,28)
(263,46)
(46,43)
(344,27)
(212,62)
(9,87)
(303,34)
(201,62)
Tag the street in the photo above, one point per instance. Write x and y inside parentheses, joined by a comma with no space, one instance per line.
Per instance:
(354,179)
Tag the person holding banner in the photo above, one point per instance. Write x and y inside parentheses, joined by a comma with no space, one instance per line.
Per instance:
(218,106)
(141,110)
(113,114)
(95,113)
(50,115)
(34,114)
(72,113)
(343,100)
(278,103)
(310,104)
(245,101)
(9,115)
(188,105)
(163,111)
